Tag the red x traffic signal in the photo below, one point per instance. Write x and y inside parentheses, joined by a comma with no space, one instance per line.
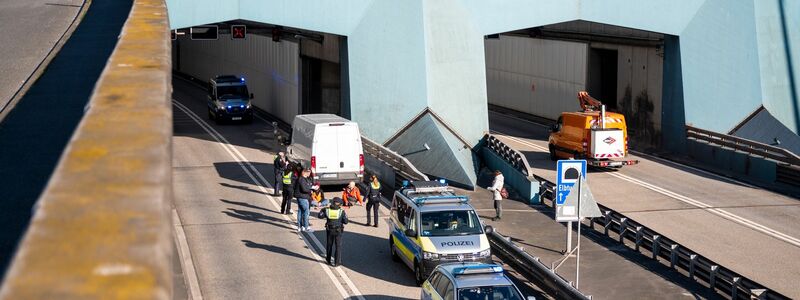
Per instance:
(238,32)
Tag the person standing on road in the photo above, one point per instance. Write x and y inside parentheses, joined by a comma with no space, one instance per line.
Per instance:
(335,218)
(280,164)
(287,185)
(303,188)
(496,188)
(373,199)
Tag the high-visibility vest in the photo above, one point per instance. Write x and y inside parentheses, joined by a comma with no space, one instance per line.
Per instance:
(334,214)
(287,178)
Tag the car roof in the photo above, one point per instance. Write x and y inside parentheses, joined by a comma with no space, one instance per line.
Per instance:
(226,78)
(444,207)
(473,280)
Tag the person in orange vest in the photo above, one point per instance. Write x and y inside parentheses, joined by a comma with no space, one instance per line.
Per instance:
(373,199)
(351,195)
(335,219)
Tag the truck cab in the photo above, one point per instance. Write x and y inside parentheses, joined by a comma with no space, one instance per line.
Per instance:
(229,100)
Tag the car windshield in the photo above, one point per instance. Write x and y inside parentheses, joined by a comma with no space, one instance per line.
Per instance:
(232,91)
(489,292)
(448,223)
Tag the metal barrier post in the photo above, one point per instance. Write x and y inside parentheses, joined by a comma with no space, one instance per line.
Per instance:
(712,281)
(638,237)
(607,220)
(735,287)
(758,294)
(692,262)
(623,227)
(656,246)
(673,255)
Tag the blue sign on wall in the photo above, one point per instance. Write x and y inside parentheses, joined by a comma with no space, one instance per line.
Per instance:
(568,173)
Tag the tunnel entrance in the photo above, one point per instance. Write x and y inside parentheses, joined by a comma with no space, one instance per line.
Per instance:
(539,71)
(601,79)
(290,71)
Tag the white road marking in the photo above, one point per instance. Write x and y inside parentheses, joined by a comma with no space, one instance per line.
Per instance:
(247,167)
(678,165)
(719,212)
(185,255)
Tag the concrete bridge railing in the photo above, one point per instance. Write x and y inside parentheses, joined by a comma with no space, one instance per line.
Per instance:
(101,229)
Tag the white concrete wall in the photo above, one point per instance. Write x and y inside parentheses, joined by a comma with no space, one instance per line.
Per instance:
(271,69)
(639,69)
(535,76)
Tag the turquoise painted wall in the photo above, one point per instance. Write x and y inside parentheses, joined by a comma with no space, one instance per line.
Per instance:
(776,85)
(406,55)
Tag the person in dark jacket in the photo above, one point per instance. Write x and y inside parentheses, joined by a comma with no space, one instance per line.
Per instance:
(373,199)
(302,191)
(280,164)
(335,218)
(287,184)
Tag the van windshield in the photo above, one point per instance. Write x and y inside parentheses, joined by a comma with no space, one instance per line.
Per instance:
(232,91)
(489,292)
(448,223)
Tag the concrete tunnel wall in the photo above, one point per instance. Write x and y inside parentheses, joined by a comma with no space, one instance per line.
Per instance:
(405,56)
(270,69)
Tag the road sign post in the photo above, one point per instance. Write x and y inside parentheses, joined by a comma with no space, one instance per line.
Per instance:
(574,201)
(568,173)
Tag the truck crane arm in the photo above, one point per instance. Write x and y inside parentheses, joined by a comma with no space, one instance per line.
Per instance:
(588,103)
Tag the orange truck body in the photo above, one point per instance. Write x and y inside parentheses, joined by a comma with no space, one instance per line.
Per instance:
(576,135)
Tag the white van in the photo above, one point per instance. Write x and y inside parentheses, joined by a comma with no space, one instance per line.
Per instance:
(330,145)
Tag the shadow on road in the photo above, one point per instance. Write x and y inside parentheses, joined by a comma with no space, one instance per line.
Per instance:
(274,249)
(369,255)
(257,217)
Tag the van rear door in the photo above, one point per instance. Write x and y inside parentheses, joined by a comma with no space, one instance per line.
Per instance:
(325,150)
(349,144)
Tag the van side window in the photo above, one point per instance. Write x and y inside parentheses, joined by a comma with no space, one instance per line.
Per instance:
(394,207)
(402,212)
(412,220)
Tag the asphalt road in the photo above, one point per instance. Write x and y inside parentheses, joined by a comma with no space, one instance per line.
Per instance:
(241,247)
(752,231)
(30,29)
(34,134)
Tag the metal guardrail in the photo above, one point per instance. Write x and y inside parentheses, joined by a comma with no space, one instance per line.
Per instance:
(750,147)
(718,278)
(102,227)
(533,269)
(400,164)
(510,155)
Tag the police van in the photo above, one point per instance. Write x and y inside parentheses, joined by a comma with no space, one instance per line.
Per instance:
(229,100)
(431,225)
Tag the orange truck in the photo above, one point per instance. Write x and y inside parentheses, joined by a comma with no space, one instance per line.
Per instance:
(593,134)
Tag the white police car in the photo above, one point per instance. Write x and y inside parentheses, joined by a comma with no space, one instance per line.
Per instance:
(470,281)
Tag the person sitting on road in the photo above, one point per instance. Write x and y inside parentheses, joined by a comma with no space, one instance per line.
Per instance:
(318,199)
(352,195)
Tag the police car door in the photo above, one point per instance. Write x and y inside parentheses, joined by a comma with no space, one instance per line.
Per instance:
(409,242)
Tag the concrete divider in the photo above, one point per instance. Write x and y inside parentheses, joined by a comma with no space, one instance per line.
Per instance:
(525,185)
(101,229)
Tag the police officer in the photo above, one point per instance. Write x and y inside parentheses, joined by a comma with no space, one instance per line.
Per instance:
(280,164)
(373,199)
(334,226)
(287,182)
